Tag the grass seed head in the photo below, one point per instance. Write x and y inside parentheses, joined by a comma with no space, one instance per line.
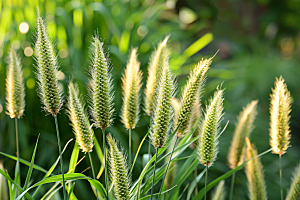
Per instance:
(294,192)
(79,119)
(131,85)
(255,176)
(119,171)
(49,89)
(236,154)
(163,112)
(210,129)
(100,86)
(154,74)
(15,90)
(280,109)
(191,95)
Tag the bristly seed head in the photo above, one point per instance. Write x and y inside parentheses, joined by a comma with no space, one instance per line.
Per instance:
(154,74)
(119,171)
(294,192)
(210,129)
(255,176)
(100,86)
(163,112)
(236,154)
(79,119)
(15,90)
(280,109)
(191,95)
(49,88)
(131,85)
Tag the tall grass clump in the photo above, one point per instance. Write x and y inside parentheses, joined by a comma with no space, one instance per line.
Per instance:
(210,131)
(294,192)
(236,154)
(49,89)
(15,97)
(255,176)
(280,108)
(101,92)
(119,171)
(131,85)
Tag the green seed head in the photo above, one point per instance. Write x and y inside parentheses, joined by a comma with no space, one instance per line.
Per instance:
(163,112)
(118,171)
(236,154)
(219,193)
(255,176)
(154,74)
(131,87)
(15,90)
(191,95)
(280,109)
(294,192)
(100,85)
(49,88)
(210,129)
(79,120)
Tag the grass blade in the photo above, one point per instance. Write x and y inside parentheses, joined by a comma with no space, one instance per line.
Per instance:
(100,156)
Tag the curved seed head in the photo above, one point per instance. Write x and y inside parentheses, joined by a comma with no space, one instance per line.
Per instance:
(131,84)
(255,176)
(162,115)
(210,129)
(294,192)
(236,154)
(100,87)
(15,90)
(79,120)
(49,88)
(119,171)
(191,95)
(154,74)
(219,193)
(280,109)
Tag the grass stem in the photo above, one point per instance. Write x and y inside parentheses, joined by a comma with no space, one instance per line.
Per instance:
(206,174)
(105,161)
(163,180)
(153,174)
(232,186)
(280,173)
(17,144)
(195,177)
(130,145)
(93,171)
(60,157)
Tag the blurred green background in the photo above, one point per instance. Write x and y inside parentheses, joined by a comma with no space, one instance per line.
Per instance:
(258,41)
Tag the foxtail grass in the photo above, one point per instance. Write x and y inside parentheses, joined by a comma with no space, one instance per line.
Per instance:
(294,192)
(119,171)
(15,97)
(280,108)
(219,193)
(236,154)
(210,131)
(49,89)
(131,85)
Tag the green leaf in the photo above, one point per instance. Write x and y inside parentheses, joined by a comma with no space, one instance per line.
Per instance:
(194,184)
(31,165)
(100,156)
(149,196)
(74,158)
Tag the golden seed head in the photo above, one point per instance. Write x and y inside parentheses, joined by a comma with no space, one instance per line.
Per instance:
(79,119)
(280,108)
(15,90)
(131,85)
(255,176)
(236,154)
(154,74)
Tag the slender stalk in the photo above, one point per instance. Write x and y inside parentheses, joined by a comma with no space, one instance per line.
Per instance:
(232,186)
(195,176)
(94,177)
(60,157)
(17,144)
(206,180)
(104,152)
(280,173)
(130,145)
(163,180)
(153,174)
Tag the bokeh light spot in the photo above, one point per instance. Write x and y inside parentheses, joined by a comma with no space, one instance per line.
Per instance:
(1,108)
(187,16)
(142,31)
(30,83)
(60,75)
(26,72)
(28,51)
(24,27)
(63,53)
